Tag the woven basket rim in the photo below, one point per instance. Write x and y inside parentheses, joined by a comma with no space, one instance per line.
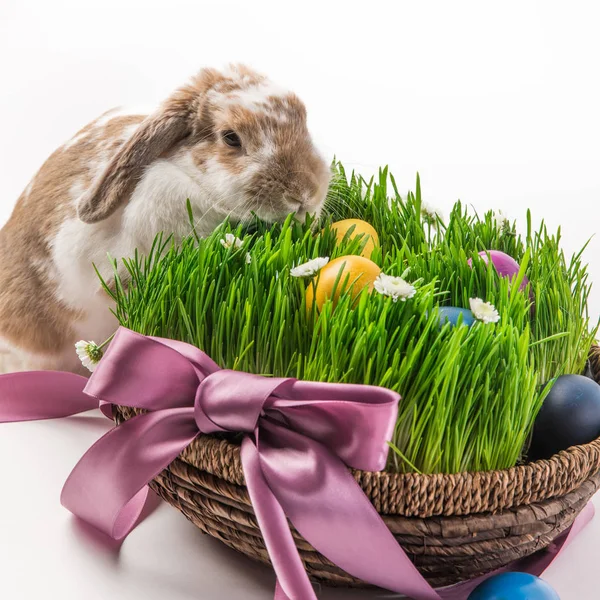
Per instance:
(528,483)
(211,442)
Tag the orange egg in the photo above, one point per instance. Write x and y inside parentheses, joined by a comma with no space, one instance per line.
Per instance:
(360,228)
(357,273)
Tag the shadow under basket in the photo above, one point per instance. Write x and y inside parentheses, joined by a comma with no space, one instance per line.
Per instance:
(453,527)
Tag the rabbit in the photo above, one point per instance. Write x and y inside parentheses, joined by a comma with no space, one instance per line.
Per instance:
(230,141)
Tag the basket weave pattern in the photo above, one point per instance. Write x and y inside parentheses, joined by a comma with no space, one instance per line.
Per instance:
(453,527)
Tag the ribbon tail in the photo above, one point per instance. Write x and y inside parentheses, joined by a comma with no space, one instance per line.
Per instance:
(108,486)
(292,580)
(329,509)
(37,395)
(279,593)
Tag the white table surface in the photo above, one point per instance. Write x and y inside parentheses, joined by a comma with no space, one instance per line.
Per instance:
(46,553)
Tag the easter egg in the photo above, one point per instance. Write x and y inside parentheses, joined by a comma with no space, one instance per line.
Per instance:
(360,228)
(505,265)
(514,586)
(569,416)
(450,314)
(355,274)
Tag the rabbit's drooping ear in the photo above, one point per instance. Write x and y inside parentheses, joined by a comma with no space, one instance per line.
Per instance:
(158,133)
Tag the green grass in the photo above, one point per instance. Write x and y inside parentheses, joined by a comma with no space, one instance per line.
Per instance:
(469,395)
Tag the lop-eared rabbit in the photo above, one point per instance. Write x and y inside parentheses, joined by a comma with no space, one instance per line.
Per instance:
(230,141)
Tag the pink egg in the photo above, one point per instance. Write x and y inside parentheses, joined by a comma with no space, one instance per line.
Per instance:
(505,265)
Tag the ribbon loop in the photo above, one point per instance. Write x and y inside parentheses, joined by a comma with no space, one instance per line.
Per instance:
(148,373)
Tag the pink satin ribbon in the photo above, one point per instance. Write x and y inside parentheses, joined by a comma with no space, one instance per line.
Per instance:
(300,438)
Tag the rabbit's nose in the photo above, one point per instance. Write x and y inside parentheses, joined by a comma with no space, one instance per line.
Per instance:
(293,203)
(312,201)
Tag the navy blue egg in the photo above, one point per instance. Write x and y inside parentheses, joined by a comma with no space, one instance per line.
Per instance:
(450,314)
(514,586)
(569,416)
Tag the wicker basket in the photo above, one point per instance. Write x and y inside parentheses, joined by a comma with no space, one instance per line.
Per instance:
(454,527)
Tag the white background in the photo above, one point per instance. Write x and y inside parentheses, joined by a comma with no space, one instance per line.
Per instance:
(497,104)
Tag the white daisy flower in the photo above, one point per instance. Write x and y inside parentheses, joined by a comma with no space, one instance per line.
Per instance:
(500,219)
(484,311)
(89,354)
(248,258)
(395,287)
(231,241)
(309,268)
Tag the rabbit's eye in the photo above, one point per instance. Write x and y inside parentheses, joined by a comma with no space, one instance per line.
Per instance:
(231,138)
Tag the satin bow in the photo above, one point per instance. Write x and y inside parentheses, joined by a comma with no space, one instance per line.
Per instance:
(300,438)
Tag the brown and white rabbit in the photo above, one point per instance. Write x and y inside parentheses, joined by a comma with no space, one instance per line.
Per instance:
(230,141)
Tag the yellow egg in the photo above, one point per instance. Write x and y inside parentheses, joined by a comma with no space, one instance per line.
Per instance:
(360,228)
(357,273)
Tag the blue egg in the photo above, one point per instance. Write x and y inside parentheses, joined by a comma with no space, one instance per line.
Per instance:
(514,586)
(570,416)
(450,314)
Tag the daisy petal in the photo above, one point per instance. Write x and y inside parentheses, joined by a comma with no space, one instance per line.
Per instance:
(309,268)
